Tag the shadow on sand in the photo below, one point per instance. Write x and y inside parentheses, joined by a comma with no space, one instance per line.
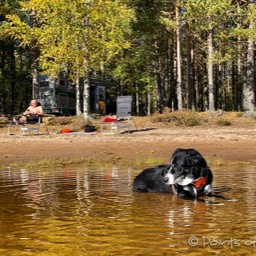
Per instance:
(138,130)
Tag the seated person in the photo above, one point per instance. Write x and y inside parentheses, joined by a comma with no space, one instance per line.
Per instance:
(32,113)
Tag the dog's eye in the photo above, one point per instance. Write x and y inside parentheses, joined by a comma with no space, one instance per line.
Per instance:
(164,172)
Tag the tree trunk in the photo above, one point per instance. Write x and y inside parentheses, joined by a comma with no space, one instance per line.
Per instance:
(210,71)
(13,79)
(86,69)
(3,99)
(86,93)
(168,74)
(200,83)
(188,72)
(249,97)
(239,87)
(78,105)
(193,80)
(179,92)
(137,98)
(35,53)
(158,80)
(35,80)
(158,92)
(148,103)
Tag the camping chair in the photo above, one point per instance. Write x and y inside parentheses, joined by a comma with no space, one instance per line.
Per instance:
(122,119)
(28,127)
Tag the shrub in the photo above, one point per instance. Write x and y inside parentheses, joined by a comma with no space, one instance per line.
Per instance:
(165,117)
(62,120)
(188,118)
(78,122)
(240,114)
(223,122)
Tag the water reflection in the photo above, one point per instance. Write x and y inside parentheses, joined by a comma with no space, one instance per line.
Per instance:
(94,212)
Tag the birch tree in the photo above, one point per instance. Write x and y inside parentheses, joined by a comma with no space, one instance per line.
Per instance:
(249,87)
(81,34)
(178,65)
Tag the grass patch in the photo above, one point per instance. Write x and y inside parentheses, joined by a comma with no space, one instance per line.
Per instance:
(139,163)
(149,160)
(77,161)
(223,122)
(54,163)
(218,162)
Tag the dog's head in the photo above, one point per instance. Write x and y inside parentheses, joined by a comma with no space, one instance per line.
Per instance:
(188,171)
(186,165)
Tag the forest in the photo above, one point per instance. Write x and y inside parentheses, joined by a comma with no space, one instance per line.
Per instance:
(182,54)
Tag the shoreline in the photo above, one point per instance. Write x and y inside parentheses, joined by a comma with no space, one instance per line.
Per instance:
(140,149)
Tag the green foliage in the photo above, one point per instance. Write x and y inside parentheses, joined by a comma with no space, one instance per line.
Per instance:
(133,40)
(60,31)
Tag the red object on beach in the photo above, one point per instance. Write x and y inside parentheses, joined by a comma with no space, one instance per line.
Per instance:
(109,119)
(65,130)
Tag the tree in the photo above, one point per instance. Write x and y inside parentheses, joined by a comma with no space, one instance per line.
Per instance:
(15,62)
(175,54)
(178,38)
(205,17)
(249,87)
(80,34)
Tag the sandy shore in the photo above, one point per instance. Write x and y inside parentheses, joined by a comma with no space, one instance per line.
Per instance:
(221,144)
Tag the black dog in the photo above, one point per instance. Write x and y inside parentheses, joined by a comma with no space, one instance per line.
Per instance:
(189,173)
(186,175)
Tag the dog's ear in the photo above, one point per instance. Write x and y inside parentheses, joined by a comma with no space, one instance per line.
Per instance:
(191,161)
(195,171)
(173,155)
(165,170)
(199,161)
(174,160)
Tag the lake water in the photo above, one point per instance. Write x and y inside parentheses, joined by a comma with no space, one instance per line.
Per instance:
(83,211)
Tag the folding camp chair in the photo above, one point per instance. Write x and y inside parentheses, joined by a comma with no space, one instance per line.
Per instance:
(123,117)
(27,128)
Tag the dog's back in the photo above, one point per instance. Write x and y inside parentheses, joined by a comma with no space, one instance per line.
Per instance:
(151,180)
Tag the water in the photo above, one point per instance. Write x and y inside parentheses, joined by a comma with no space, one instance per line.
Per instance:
(81,211)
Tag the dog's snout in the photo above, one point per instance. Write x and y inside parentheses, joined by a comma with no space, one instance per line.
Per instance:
(166,179)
